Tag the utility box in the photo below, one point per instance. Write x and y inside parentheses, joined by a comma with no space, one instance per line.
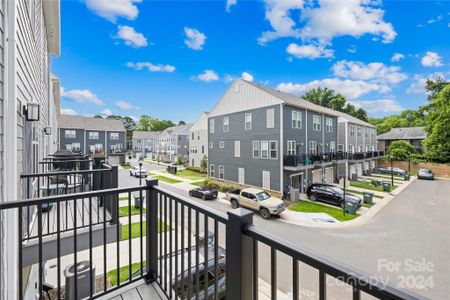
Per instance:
(354,177)
(368,197)
(294,195)
(84,280)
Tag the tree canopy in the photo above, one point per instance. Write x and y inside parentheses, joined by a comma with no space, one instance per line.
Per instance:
(329,98)
(148,123)
(401,150)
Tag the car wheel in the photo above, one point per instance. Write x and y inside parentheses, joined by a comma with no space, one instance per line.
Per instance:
(234,204)
(264,213)
(313,197)
(341,204)
(190,193)
(203,197)
(131,174)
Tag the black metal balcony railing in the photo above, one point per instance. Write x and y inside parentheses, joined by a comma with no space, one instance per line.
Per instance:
(58,164)
(189,250)
(310,159)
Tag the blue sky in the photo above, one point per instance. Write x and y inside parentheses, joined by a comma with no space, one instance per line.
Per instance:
(173,60)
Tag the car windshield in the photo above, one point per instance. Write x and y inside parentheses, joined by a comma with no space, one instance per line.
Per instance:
(336,190)
(262,196)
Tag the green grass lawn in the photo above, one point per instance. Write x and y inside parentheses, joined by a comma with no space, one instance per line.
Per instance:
(369,186)
(163,178)
(124,273)
(387,176)
(123,198)
(360,193)
(126,166)
(197,183)
(136,229)
(123,211)
(191,175)
(308,206)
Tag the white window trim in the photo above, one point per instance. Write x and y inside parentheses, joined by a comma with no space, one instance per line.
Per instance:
(317,125)
(267,143)
(221,170)
(296,121)
(211,145)
(329,124)
(313,147)
(253,149)
(270,116)
(211,125)
(291,150)
(226,122)
(276,149)
(212,171)
(248,122)
(237,148)
(221,144)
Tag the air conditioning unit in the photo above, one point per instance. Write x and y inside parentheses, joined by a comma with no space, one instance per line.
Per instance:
(83,279)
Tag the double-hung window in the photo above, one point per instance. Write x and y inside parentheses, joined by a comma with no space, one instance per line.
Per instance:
(226,124)
(211,145)
(93,135)
(359,130)
(264,149)
(248,121)
(114,135)
(312,147)
(237,148)
(296,119)
(221,172)
(221,144)
(329,124)
(316,122)
(291,147)
(352,130)
(70,134)
(256,149)
(273,149)
(211,125)
(332,147)
(212,171)
(270,118)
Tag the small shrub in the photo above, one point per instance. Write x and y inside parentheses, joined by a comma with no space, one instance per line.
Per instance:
(179,160)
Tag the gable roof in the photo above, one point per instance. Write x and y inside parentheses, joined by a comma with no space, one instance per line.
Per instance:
(346,117)
(201,123)
(138,134)
(404,133)
(180,129)
(89,123)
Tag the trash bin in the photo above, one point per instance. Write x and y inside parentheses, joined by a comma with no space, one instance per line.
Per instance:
(386,187)
(376,182)
(406,177)
(368,197)
(350,207)
(83,279)
(294,195)
(139,201)
(354,177)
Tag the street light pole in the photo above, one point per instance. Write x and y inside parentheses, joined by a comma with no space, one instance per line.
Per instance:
(344,192)
(140,175)
(392,172)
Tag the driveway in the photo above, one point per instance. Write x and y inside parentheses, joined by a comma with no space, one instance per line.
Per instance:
(413,230)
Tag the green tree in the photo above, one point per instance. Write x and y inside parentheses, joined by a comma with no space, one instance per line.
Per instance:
(204,163)
(437,142)
(181,123)
(401,150)
(144,123)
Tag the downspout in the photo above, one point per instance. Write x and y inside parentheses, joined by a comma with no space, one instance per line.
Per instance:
(281,154)
(10,234)
(346,147)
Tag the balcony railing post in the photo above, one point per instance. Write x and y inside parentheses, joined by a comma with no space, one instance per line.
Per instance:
(114,198)
(240,252)
(152,229)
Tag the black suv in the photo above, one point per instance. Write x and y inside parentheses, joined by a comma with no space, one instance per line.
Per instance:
(330,194)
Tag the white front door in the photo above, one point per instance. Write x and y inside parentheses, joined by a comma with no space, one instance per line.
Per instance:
(241,175)
(329,175)
(266,180)
(317,176)
(359,169)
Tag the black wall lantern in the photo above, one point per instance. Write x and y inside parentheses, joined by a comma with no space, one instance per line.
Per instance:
(31,111)
(47,130)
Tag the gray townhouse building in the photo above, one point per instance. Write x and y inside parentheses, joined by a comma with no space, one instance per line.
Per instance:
(411,135)
(144,142)
(173,142)
(198,144)
(262,137)
(359,140)
(98,137)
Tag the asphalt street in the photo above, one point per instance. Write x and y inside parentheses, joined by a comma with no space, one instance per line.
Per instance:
(407,244)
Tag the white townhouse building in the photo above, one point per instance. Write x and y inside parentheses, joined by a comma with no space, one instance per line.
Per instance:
(198,140)
(29,108)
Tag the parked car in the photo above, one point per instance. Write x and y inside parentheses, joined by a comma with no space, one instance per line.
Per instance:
(204,193)
(330,194)
(138,171)
(389,170)
(425,174)
(258,200)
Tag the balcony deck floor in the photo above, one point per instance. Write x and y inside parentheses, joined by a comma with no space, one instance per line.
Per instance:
(137,291)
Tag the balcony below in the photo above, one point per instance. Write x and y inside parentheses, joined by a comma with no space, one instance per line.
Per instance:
(137,291)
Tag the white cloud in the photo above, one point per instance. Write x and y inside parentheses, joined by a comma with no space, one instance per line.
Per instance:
(207,76)
(420,82)
(106,112)
(68,111)
(309,51)
(352,49)
(379,106)
(124,105)
(81,96)
(113,9)
(131,37)
(150,67)
(326,20)
(375,71)
(228,78)
(351,89)
(247,76)
(434,20)
(230,3)
(397,57)
(194,38)
(431,59)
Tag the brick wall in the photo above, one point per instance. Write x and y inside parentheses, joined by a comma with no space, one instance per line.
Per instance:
(440,170)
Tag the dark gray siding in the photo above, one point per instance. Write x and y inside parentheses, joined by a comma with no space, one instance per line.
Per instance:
(110,142)
(254,167)
(100,140)
(330,136)
(321,137)
(294,134)
(183,146)
(63,141)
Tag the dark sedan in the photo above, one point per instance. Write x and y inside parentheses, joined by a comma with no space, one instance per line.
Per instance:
(425,174)
(389,170)
(330,194)
(204,193)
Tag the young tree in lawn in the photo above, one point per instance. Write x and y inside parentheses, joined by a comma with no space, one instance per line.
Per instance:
(401,150)
(204,163)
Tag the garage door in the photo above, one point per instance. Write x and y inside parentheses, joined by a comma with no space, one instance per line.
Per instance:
(366,165)
(329,175)
(352,170)
(317,176)
(359,169)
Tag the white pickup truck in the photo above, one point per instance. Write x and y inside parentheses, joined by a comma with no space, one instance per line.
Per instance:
(257,200)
